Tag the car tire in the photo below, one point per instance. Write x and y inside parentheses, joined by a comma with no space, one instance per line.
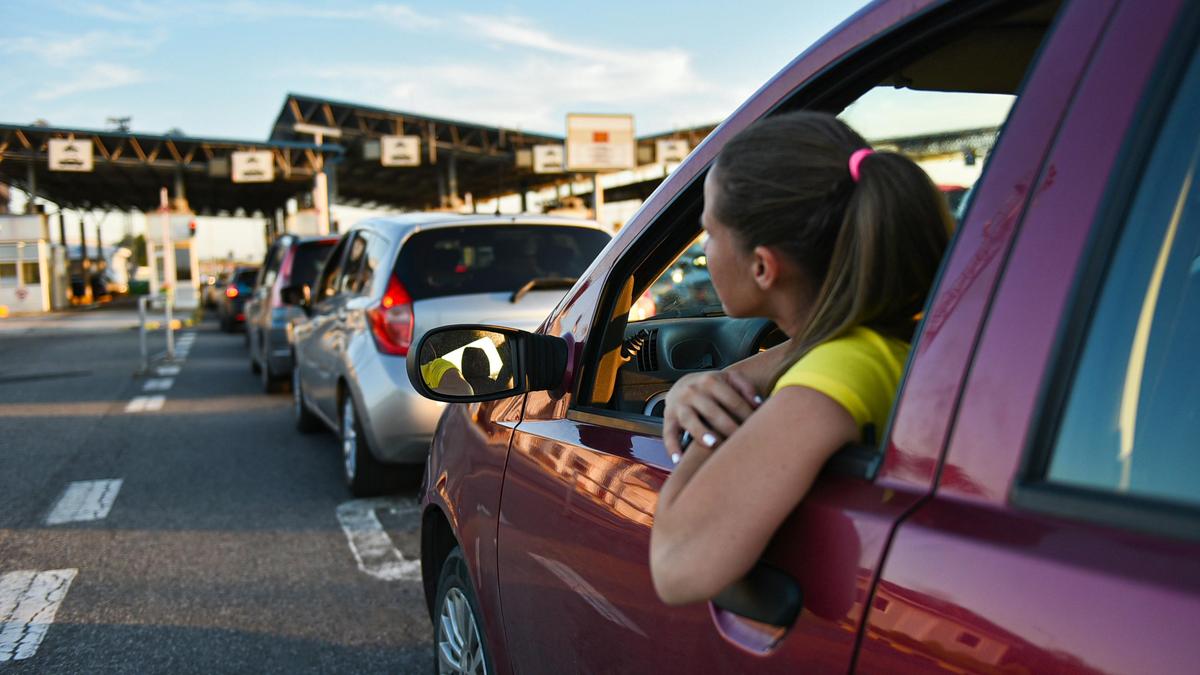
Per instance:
(306,422)
(459,643)
(271,383)
(364,475)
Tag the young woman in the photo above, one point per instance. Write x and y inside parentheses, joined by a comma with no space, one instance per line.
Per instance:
(838,245)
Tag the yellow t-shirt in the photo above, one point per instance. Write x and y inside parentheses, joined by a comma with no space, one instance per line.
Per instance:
(860,370)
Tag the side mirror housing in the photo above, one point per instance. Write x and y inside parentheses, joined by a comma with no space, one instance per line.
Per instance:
(470,363)
(296,294)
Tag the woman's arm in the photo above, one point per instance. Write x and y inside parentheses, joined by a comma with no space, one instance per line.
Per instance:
(719,509)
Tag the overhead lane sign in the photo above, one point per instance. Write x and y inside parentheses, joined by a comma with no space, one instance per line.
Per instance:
(400,150)
(548,159)
(671,150)
(68,154)
(600,143)
(254,166)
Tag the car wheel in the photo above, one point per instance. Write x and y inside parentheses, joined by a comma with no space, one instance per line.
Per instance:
(365,475)
(270,382)
(306,422)
(458,642)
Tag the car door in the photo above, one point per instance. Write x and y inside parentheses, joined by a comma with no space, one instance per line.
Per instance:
(1065,530)
(258,306)
(317,351)
(582,478)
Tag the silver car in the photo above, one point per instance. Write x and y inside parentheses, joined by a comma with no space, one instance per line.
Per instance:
(387,282)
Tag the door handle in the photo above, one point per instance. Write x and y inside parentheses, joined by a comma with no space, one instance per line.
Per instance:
(765,595)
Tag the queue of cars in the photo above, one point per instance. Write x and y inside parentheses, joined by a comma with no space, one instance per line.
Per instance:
(335,317)
(1032,506)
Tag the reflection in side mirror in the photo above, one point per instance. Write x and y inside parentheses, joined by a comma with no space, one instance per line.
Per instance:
(298,294)
(467,362)
(472,363)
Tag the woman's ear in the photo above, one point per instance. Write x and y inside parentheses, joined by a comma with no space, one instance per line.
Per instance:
(766,266)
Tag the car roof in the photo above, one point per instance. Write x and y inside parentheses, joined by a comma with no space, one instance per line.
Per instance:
(407,223)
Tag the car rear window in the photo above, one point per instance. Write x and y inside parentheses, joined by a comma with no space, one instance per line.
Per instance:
(309,258)
(490,259)
(245,277)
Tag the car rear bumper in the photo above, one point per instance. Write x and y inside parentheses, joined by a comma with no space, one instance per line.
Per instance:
(398,421)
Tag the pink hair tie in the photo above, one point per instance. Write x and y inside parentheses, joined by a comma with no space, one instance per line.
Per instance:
(856,160)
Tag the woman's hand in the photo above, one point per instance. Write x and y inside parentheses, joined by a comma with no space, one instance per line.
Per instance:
(710,406)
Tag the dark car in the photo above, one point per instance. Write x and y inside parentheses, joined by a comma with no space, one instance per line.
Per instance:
(232,304)
(1033,505)
(291,260)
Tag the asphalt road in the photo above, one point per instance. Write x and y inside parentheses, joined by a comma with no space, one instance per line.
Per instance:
(222,551)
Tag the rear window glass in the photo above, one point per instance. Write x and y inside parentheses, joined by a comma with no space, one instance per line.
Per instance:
(246,277)
(491,259)
(308,261)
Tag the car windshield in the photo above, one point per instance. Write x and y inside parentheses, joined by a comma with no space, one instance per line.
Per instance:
(309,258)
(491,259)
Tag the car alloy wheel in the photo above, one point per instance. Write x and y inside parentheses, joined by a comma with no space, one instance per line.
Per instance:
(349,439)
(459,648)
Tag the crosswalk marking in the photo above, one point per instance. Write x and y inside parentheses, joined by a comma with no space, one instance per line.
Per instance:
(145,404)
(158,384)
(29,600)
(84,500)
(167,370)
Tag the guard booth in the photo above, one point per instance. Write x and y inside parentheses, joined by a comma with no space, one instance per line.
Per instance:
(181,254)
(32,271)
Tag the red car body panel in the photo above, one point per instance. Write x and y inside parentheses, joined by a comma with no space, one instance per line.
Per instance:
(555,525)
(1123,602)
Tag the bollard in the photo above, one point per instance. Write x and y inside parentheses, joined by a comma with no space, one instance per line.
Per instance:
(142,332)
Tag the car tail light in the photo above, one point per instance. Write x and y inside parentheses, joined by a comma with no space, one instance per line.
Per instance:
(231,292)
(392,320)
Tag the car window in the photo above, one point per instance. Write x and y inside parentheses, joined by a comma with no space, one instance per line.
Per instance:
(331,271)
(494,258)
(351,275)
(308,259)
(270,268)
(942,103)
(1133,408)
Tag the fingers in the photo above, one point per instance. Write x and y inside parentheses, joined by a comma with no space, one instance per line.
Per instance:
(671,433)
(744,387)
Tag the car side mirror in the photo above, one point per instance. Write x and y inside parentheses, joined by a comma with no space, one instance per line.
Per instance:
(299,295)
(472,363)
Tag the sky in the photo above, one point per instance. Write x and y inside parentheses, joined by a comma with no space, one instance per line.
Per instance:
(223,67)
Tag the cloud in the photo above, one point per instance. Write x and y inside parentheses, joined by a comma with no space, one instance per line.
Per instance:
(95,77)
(59,50)
(138,11)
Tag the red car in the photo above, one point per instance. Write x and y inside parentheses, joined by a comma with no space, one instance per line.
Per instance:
(1034,505)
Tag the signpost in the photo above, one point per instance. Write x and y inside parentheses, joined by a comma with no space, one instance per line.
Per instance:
(598,143)
(253,166)
(671,150)
(400,150)
(68,154)
(548,159)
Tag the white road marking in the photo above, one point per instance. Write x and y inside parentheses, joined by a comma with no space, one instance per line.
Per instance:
(28,602)
(167,370)
(145,403)
(370,544)
(85,500)
(158,384)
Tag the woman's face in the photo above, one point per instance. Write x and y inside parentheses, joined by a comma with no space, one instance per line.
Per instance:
(729,264)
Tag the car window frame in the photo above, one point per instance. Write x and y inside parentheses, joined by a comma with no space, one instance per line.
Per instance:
(837,85)
(1031,488)
(331,267)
